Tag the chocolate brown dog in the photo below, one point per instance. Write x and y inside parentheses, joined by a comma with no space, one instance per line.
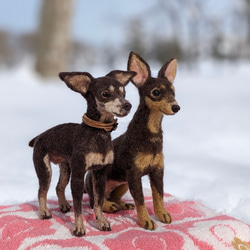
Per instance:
(138,152)
(78,148)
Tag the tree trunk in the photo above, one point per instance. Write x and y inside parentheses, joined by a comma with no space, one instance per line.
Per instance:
(54,37)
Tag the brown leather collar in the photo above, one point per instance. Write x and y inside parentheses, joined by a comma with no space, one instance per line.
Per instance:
(108,127)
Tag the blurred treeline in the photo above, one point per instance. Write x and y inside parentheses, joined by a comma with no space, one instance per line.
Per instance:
(184,29)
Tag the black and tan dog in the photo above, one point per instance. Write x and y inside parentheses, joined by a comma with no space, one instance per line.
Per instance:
(78,148)
(138,152)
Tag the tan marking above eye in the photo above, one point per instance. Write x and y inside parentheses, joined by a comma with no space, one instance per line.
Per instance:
(121,89)
(112,88)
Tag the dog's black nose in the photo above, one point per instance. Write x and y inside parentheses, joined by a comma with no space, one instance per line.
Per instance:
(175,108)
(127,106)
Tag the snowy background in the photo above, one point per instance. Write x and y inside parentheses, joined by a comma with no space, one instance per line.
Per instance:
(206,144)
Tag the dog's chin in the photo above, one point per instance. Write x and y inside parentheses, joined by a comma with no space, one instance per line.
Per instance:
(167,113)
(121,114)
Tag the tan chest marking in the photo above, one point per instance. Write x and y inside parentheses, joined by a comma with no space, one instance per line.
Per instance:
(143,161)
(155,116)
(154,122)
(99,159)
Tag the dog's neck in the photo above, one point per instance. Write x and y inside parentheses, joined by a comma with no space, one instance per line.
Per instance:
(150,120)
(108,127)
(154,121)
(94,118)
(94,114)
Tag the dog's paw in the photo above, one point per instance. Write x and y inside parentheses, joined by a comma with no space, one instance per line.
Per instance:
(110,207)
(164,217)
(103,224)
(144,219)
(45,214)
(65,207)
(148,224)
(79,231)
(126,206)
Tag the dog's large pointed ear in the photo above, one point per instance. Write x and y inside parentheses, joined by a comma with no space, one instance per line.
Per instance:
(168,70)
(77,81)
(122,76)
(138,65)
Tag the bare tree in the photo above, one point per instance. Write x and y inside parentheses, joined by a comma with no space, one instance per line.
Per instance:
(136,36)
(247,11)
(53,37)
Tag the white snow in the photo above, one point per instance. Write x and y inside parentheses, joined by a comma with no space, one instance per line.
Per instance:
(206,144)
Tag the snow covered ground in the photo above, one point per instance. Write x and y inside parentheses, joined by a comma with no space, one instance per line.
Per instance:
(206,145)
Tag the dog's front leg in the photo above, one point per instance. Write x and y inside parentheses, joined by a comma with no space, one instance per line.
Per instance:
(156,182)
(135,187)
(99,182)
(77,189)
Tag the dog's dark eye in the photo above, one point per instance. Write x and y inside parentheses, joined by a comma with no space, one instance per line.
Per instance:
(105,94)
(156,92)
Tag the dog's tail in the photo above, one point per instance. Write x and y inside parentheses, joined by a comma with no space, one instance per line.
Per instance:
(31,143)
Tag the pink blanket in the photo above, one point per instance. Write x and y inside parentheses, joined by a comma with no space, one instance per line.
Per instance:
(194,227)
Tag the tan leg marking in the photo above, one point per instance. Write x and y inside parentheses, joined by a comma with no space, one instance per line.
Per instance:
(160,211)
(101,221)
(144,218)
(78,229)
(46,161)
(44,212)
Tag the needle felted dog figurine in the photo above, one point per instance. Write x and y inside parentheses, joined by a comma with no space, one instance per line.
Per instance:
(138,152)
(78,148)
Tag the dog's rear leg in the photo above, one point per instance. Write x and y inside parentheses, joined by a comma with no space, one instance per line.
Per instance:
(43,171)
(99,183)
(110,205)
(60,188)
(156,182)
(135,187)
